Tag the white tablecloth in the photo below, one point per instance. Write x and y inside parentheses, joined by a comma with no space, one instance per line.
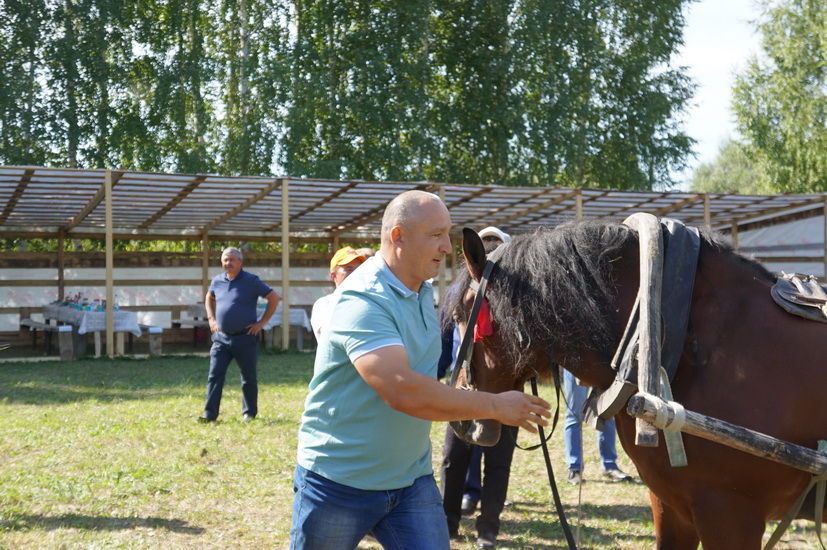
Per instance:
(298,316)
(92,321)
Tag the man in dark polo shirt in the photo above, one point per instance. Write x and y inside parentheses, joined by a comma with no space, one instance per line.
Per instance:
(231,310)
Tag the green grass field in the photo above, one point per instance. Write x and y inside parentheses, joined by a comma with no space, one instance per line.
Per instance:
(103,454)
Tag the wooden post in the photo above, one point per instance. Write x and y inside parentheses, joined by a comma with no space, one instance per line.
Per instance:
(155,346)
(64,339)
(578,204)
(61,260)
(205,265)
(119,342)
(110,291)
(453,261)
(670,415)
(707,212)
(441,283)
(285,265)
(734,236)
(824,274)
(651,267)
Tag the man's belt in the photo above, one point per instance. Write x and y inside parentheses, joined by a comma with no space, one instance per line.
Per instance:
(238,333)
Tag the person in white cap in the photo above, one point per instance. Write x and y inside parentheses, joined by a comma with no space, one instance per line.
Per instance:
(494,234)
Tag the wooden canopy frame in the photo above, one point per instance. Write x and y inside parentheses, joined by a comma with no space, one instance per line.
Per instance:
(61,203)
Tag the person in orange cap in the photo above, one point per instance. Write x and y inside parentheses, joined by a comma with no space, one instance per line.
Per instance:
(343,263)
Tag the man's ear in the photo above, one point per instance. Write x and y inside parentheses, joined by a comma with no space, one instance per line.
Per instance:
(474,252)
(396,234)
(331,277)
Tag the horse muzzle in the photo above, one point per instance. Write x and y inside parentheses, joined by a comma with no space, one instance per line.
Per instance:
(485,433)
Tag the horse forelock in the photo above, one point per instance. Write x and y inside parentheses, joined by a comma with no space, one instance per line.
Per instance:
(552,289)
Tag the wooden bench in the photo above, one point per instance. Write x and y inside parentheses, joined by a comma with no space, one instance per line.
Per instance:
(154,334)
(177,322)
(64,336)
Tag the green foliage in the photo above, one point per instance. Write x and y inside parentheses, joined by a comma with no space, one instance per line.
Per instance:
(540,92)
(517,92)
(780,100)
(732,171)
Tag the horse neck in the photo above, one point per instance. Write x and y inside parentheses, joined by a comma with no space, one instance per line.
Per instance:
(593,367)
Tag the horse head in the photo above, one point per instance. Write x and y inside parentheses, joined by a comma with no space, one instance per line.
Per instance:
(548,306)
(488,362)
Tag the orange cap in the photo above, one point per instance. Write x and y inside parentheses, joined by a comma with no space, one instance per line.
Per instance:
(344,256)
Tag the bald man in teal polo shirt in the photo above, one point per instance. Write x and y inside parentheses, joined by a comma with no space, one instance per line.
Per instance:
(364,456)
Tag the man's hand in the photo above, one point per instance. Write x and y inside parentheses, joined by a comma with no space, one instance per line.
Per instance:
(516,408)
(213,325)
(255,328)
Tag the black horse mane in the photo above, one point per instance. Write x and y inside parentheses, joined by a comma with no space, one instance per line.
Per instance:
(553,288)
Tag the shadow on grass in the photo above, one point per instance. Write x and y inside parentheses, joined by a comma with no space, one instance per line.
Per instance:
(28,522)
(550,529)
(121,379)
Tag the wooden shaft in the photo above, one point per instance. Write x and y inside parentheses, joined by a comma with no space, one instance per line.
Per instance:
(725,433)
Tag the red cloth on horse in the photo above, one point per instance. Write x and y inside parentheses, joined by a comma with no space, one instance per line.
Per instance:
(484,326)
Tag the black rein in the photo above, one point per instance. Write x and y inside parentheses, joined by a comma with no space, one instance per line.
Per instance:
(464,354)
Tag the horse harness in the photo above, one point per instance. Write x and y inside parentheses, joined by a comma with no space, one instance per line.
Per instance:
(464,355)
(798,296)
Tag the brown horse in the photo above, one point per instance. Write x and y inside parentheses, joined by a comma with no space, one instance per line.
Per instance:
(563,296)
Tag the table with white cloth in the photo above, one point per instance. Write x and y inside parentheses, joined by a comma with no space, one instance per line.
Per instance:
(298,318)
(85,321)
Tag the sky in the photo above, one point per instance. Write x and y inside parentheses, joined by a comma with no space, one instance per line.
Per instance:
(719,38)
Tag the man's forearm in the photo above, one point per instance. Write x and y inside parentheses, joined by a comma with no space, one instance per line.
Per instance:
(273,300)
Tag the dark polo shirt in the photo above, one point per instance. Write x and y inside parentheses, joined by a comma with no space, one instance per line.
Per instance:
(235,300)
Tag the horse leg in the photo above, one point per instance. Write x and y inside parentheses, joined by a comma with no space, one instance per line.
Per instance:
(673,531)
(729,524)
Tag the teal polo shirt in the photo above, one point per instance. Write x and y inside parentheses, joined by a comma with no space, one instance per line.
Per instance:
(348,433)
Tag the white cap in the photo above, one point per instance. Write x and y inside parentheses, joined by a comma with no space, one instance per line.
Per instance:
(492,231)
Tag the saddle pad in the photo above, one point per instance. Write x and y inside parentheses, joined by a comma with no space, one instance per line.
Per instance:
(801,295)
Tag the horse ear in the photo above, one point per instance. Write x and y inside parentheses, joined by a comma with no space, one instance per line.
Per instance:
(474,252)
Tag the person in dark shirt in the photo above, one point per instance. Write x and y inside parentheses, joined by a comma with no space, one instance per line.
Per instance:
(231,311)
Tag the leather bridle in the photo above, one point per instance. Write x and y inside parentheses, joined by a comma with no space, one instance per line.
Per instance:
(466,347)
(463,363)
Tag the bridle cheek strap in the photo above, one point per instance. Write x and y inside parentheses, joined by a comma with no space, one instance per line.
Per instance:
(466,347)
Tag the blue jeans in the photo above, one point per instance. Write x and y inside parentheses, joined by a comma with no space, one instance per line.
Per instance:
(572,429)
(244,349)
(331,516)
